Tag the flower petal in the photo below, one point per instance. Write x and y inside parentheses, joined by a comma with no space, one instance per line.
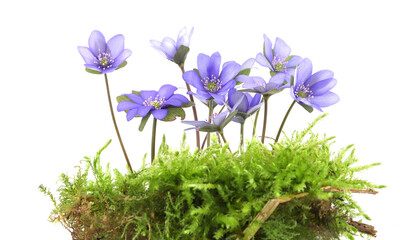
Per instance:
(214,65)
(319,76)
(122,57)
(256,100)
(196,123)
(202,64)
(294,61)
(116,45)
(97,42)
(225,88)
(191,77)
(176,100)
(323,86)
(159,113)
(131,114)
(281,49)
(144,110)
(126,105)
(229,72)
(93,67)
(169,47)
(278,79)
(248,64)
(202,94)
(262,60)
(218,98)
(147,94)
(86,54)
(166,91)
(218,120)
(326,99)
(303,72)
(268,48)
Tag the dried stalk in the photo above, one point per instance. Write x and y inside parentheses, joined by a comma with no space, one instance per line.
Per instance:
(272,204)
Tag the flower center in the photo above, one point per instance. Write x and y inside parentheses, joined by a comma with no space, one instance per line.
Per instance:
(105,60)
(212,84)
(156,102)
(278,64)
(304,92)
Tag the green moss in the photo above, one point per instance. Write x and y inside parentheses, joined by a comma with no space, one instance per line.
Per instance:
(215,194)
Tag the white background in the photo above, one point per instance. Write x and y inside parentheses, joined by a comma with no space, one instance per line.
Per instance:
(53,113)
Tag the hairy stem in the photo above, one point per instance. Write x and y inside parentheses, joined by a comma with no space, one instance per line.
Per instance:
(255,122)
(284,120)
(210,104)
(241,143)
(265,119)
(154,131)
(194,110)
(116,126)
(223,138)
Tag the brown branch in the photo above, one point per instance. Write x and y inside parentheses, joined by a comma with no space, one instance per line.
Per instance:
(363,228)
(272,204)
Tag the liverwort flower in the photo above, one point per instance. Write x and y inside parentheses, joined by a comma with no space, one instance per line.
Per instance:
(219,121)
(209,81)
(278,58)
(169,48)
(313,89)
(244,103)
(152,102)
(104,57)
(259,85)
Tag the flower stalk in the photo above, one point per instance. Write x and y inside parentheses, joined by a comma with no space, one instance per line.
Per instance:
(265,119)
(116,126)
(284,120)
(210,105)
(154,131)
(241,142)
(194,110)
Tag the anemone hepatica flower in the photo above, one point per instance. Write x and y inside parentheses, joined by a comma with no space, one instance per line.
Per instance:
(103,56)
(244,103)
(259,85)
(152,101)
(313,89)
(219,121)
(278,58)
(168,47)
(209,81)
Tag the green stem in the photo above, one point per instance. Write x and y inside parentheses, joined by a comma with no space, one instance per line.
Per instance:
(255,122)
(223,138)
(284,120)
(265,119)
(194,110)
(241,144)
(116,126)
(210,104)
(154,131)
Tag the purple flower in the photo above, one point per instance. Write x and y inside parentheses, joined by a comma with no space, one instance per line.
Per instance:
(259,85)
(244,103)
(168,47)
(278,58)
(152,101)
(209,83)
(102,56)
(313,89)
(219,121)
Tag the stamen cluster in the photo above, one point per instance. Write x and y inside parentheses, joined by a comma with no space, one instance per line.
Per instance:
(212,84)
(105,60)
(279,64)
(304,92)
(157,102)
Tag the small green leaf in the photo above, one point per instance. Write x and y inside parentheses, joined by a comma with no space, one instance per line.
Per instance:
(144,122)
(186,105)
(272,73)
(292,80)
(181,55)
(92,71)
(136,92)
(306,107)
(228,119)
(209,128)
(122,98)
(122,65)
(246,71)
(272,92)
(173,113)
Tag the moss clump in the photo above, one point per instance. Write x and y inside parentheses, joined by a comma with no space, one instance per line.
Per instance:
(215,194)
